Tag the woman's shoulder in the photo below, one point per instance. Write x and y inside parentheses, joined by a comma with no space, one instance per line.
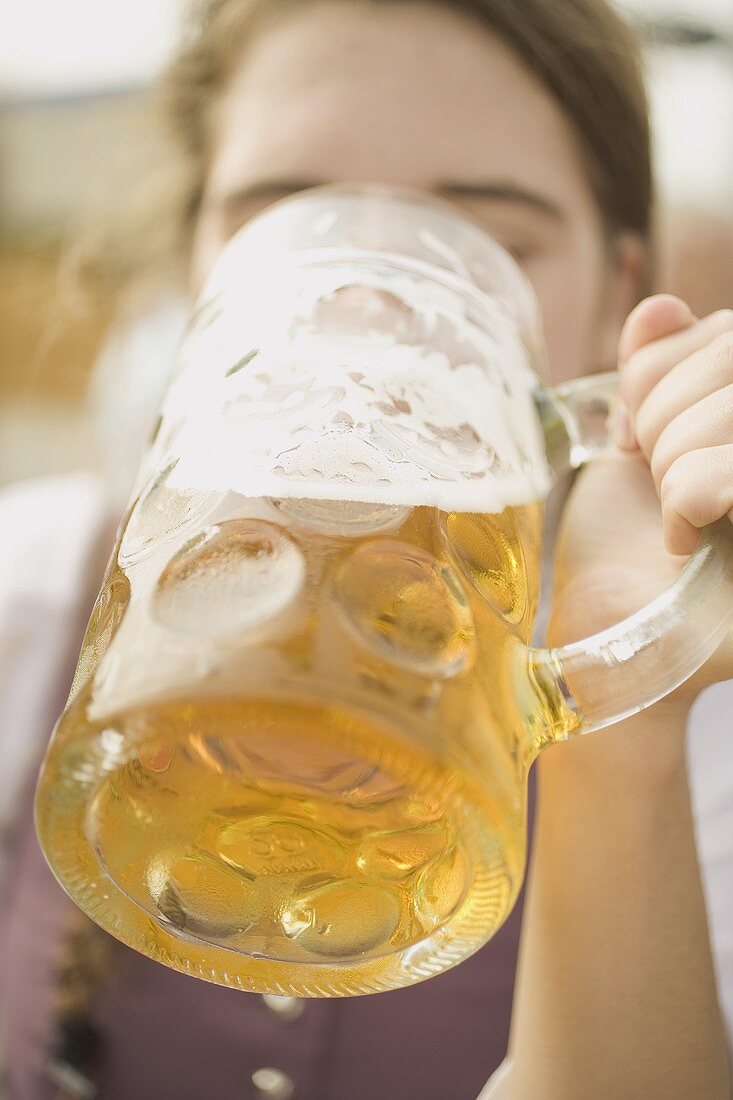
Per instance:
(50,532)
(48,525)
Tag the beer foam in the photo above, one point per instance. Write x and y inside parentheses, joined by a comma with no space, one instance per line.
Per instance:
(380,381)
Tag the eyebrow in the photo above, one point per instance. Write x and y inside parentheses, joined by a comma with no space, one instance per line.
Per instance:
(491,192)
(502,192)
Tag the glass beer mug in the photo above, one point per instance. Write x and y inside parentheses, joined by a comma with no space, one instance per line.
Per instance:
(294,758)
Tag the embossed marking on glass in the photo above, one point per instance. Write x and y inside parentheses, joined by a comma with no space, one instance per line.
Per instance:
(294,758)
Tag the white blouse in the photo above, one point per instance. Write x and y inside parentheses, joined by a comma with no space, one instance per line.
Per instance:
(49,539)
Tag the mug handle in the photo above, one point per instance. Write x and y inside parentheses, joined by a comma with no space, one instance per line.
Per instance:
(617,672)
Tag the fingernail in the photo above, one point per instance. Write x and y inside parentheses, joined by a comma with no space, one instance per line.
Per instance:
(623,431)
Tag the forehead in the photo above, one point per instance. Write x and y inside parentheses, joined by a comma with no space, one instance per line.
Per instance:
(406,93)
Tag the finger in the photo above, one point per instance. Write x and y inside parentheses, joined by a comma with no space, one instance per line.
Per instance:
(696,490)
(654,317)
(707,424)
(701,375)
(650,363)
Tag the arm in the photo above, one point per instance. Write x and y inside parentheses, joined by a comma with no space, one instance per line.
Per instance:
(615,994)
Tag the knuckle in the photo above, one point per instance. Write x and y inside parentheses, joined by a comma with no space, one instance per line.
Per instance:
(660,464)
(677,486)
(722,346)
(645,428)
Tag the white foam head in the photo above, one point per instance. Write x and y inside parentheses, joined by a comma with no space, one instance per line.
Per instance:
(359,345)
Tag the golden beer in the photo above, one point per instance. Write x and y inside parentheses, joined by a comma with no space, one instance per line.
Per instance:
(360,832)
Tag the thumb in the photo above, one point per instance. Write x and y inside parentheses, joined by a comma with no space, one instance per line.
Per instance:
(655,317)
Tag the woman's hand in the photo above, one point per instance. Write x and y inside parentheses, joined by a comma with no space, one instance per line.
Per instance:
(616,990)
(618,548)
(677,407)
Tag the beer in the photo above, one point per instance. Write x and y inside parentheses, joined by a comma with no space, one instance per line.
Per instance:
(332,809)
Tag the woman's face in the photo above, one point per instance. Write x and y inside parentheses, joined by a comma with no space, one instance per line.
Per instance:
(417,95)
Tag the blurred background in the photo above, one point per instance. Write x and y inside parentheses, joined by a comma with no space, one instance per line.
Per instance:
(73,78)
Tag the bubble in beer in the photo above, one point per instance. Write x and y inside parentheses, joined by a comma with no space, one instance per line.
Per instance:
(160,513)
(343,919)
(442,887)
(233,577)
(343,518)
(405,606)
(265,845)
(196,895)
(397,855)
(488,552)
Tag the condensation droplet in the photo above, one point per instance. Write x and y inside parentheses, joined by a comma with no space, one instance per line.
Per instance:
(235,576)
(442,887)
(407,607)
(343,919)
(488,552)
(344,518)
(196,895)
(160,513)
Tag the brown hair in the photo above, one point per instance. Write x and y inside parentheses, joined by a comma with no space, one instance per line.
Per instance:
(587,58)
(581,50)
